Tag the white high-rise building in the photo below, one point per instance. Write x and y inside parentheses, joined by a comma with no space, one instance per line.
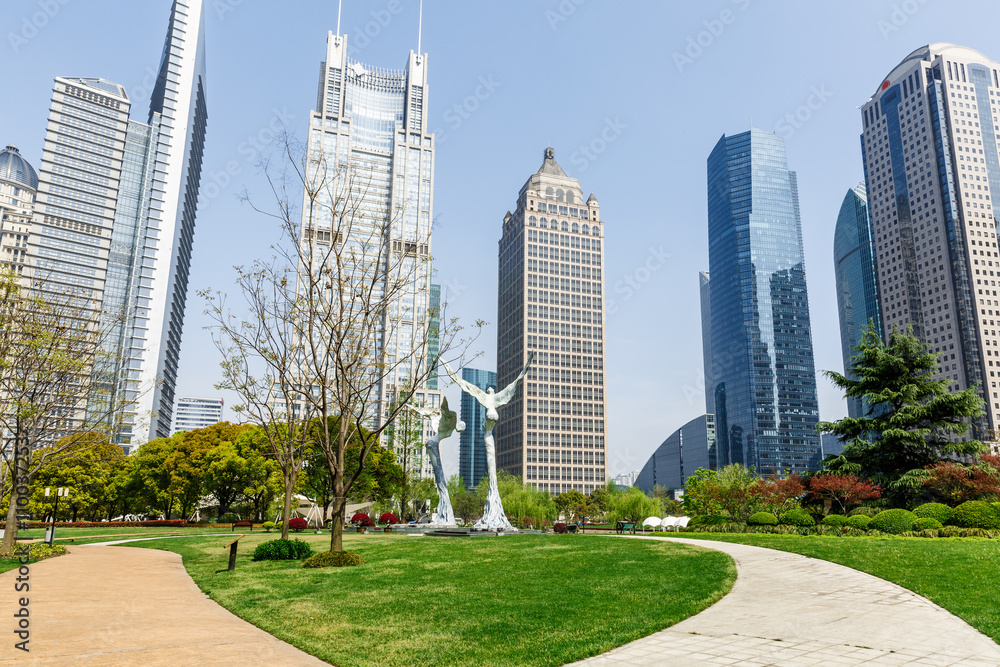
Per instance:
(193,412)
(370,133)
(18,183)
(114,219)
(932,170)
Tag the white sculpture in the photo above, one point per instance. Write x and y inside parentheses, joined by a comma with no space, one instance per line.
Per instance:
(494,517)
(444,422)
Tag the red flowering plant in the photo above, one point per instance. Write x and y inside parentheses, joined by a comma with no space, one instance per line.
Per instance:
(844,490)
(954,483)
(388,517)
(559,527)
(298,524)
(362,519)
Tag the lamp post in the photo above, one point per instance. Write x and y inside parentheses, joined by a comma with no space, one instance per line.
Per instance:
(60,492)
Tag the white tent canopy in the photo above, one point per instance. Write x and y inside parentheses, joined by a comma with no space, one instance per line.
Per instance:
(651,521)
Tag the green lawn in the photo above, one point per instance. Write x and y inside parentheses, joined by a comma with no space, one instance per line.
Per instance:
(512,600)
(959,574)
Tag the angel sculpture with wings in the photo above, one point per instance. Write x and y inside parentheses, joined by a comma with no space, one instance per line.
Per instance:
(494,517)
(444,422)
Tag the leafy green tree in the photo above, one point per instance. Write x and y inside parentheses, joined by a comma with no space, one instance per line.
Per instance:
(598,503)
(572,504)
(263,481)
(227,472)
(633,505)
(87,472)
(150,477)
(911,421)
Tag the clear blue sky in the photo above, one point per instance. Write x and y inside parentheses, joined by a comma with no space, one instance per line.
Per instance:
(651,86)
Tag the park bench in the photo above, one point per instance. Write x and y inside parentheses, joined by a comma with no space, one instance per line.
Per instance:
(243,523)
(623,526)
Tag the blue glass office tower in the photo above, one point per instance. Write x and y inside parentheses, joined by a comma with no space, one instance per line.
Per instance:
(763,375)
(472,449)
(857,289)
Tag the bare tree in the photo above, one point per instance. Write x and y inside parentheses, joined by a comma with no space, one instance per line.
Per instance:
(60,388)
(359,325)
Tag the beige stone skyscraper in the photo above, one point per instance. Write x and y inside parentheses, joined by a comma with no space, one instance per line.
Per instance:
(932,169)
(550,299)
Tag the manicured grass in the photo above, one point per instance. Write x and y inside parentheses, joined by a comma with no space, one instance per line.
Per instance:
(512,600)
(959,574)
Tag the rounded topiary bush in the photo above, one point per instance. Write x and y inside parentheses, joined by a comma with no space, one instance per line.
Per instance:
(388,517)
(837,520)
(762,519)
(924,523)
(268,526)
(859,521)
(282,550)
(864,511)
(894,521)
(797,517)
(938,511)
(976,514)
(333,559)
(297,524)
(229,517)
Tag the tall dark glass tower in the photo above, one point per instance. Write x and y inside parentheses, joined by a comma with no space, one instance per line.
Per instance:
(857,290)
(763,375)
(472,448)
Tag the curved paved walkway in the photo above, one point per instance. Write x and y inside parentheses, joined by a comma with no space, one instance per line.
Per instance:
(787,609)
(109,606)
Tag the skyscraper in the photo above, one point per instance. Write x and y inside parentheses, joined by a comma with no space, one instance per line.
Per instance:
(687,449)
(763,375)
(193,412)
(472,448)
(932,166)
(18,184)
(369,136)
(114,220)
(705,288)
(857,291)
(551,290)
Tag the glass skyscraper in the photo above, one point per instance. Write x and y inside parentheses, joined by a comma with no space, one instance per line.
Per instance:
(114,221)
(932,169)
(472,447)
(369,138)
(690,447)
(550,299)
(705,288)
(857,291)
(763,374)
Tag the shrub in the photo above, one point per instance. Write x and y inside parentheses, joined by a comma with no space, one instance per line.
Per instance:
(229,517)
(976,514)
(799,518)
(297,524)
(333,559)
(709,520)
(894,521)
(268,526)
(864,511)
(923,523)
(388,517)
(938,511)
(837,520)
(950,531)
(559,527)
(282,550)
(38,551)
(859,521)
(762,519)
(362,519)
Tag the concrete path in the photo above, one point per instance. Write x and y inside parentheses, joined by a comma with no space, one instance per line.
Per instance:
(110,606)
(787,609)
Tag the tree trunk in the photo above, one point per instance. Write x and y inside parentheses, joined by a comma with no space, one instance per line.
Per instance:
(287,511)
(10,529)
(339,511)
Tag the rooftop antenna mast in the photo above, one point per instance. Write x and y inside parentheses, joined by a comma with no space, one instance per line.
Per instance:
(340,5)
(420,27)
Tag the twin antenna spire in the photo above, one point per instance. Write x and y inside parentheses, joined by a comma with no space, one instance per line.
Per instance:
(420,23)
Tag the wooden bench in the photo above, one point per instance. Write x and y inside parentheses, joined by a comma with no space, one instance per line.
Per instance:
(243,523)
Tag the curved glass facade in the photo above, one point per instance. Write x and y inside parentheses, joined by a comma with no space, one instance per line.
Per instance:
(763,375)
(857,291)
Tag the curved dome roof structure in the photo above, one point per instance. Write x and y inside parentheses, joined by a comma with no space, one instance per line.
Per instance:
(15,168)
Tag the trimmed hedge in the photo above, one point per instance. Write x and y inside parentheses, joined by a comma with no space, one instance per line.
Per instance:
(859,521)
(154,523)
(938,511)
(925,523)
(797,517)
(282,550)
(37,551)
(837,520)
(709,520)
(869,512)
(334,559)
(976,514)
(894,521)
(762,519)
